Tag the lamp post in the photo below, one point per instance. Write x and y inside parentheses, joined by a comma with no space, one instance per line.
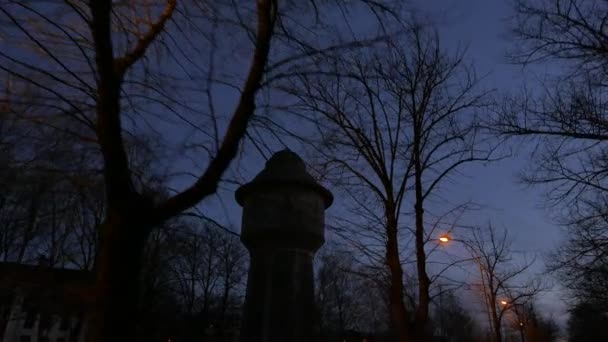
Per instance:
(444,239)
(519,316)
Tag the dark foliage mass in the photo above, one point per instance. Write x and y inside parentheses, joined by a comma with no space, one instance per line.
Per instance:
(587,322)
(107,79)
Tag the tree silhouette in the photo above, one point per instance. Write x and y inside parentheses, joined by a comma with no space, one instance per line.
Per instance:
(567,122)
(503,286)
(106,72)
(587,322)
(391,125)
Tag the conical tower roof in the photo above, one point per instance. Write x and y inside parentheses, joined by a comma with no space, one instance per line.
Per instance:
(284,168)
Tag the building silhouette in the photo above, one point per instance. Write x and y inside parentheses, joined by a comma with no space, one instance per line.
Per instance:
(42,304)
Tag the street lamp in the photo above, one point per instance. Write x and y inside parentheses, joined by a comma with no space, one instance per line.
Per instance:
(444,239)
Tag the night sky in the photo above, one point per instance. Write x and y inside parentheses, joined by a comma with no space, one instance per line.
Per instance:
(482,26)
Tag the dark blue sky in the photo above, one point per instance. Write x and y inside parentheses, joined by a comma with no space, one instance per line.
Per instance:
(482,26)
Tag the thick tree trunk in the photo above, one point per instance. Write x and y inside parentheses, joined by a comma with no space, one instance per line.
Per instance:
(497,333)
(222,331)
(118,269)
(124,233)
(400,322)
(422,312)
(495,321)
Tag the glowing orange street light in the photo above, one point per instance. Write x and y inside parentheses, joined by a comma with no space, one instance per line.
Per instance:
(444,238)
(504,302)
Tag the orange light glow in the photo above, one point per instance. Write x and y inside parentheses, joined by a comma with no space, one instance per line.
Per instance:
(504,302)
(444,239)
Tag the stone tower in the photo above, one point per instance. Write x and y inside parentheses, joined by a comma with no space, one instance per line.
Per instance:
(283,226)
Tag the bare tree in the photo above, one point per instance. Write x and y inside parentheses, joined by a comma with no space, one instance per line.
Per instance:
(108,71)
(569,124)
(503,285)
(204,268)
(451,319)
(530,324)
(233,269)
(581,263)
(568,118)
(349,300)
(390,126)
